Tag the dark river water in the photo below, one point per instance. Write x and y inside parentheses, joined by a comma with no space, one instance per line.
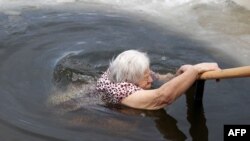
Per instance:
(49,58)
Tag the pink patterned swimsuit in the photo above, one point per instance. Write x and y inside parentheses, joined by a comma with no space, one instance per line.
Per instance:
(112,92)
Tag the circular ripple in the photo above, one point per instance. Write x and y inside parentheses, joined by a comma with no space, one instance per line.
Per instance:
(40,48)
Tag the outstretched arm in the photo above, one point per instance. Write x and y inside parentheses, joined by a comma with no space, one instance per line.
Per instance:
(170,91)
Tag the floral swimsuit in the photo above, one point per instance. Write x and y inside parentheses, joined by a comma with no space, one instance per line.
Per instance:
(112,92)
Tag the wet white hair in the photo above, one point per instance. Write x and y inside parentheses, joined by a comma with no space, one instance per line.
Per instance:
(128,66)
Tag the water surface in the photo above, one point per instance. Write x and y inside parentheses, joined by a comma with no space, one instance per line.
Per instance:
(54,51)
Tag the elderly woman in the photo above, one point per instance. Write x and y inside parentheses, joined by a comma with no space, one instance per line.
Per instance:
(128,80)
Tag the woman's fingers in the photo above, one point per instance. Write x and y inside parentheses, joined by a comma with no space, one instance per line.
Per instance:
(182,69)
(203,67)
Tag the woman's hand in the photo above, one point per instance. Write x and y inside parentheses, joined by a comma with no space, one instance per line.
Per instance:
(203,67)
(184,68)
(200,68)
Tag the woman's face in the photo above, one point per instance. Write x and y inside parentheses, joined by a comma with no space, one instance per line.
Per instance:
(146,81)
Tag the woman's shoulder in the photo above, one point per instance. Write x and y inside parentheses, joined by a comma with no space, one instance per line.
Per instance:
(115,92)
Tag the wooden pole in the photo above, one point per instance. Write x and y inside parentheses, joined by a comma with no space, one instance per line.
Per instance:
(227,73)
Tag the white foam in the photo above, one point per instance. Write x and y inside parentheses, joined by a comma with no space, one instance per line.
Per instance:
(243,3)
(66,54)
(65,1)
(12,13)
(196,18)
(81,43)
(5,4)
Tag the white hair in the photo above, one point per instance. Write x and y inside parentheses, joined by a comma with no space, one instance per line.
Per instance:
(128,66)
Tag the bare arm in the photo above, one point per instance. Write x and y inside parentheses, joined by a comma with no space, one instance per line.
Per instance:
(166,94)
(169,91)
